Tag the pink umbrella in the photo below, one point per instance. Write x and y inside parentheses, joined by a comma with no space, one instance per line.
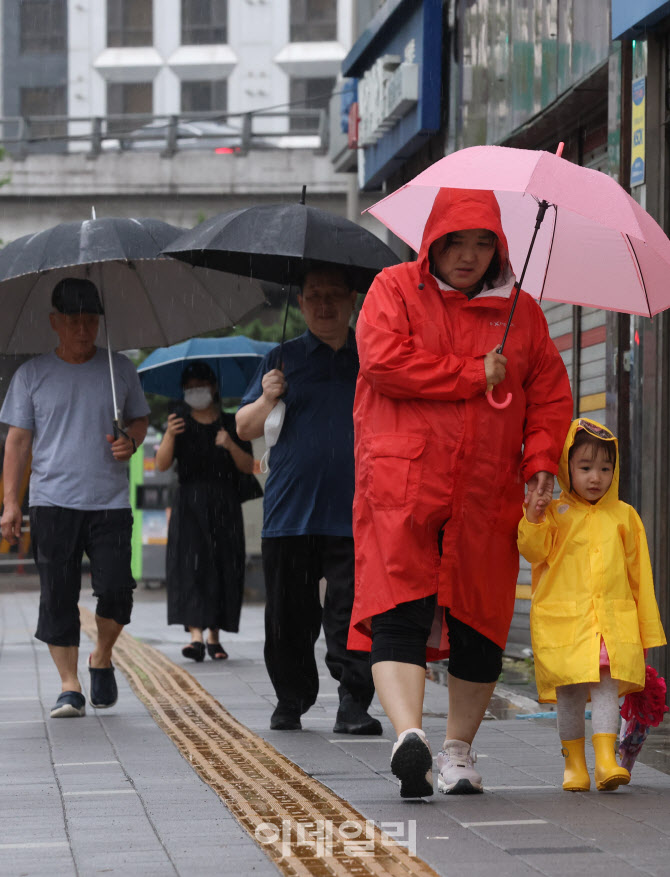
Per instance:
(596,247)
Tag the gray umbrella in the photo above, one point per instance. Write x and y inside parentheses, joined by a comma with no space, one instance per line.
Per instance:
(149,300)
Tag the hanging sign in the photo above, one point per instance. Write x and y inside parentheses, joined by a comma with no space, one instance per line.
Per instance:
(637,149)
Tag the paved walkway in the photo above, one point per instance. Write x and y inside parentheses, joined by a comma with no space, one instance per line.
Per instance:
(111,794)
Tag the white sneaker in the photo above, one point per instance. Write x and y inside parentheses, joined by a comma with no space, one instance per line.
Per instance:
(457,775)
(412,763)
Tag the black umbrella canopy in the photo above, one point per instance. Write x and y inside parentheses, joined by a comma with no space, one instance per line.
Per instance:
(274,241)
(149,299)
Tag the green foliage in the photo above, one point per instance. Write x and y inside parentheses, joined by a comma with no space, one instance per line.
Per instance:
(259,331)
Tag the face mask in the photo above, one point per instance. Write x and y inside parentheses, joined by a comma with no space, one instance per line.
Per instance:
(273,424)
(198,398)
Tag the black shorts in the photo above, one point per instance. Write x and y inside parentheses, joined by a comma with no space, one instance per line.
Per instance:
(59,538)
(401,634)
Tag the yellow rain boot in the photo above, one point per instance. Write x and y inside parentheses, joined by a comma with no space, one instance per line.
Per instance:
(609,774)
(576,776)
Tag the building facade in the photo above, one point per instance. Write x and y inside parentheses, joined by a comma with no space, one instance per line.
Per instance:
(82,58)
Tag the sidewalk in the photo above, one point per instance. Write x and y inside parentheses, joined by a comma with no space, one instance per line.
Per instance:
(111,794)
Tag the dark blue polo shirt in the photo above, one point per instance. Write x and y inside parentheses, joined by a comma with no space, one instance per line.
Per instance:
(310,486)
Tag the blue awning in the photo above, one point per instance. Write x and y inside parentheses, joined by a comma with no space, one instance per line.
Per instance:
(631,19)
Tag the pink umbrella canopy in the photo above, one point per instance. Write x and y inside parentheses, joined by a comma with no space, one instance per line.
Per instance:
(596,246)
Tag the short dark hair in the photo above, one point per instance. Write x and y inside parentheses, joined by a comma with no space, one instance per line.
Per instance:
(76,295)
(311,266)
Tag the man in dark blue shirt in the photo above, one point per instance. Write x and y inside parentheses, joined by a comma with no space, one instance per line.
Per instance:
(307,507)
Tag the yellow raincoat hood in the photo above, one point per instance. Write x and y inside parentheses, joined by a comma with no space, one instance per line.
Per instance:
(600,431)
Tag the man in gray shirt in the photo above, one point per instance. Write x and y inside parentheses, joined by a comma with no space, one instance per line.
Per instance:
(60,406)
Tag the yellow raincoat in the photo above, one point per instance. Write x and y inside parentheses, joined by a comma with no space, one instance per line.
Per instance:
(591,577)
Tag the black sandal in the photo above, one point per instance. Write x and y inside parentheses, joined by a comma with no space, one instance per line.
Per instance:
(195,651)
(216,652)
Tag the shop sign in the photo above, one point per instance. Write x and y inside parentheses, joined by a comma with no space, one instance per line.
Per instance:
(387,92)
(397,62)
(637,150)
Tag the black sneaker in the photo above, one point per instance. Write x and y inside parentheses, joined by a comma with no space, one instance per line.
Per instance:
(104,692)
(285,718)
(70,705)
(353,718)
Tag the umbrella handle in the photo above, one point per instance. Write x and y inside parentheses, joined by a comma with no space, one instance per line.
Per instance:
(492,402)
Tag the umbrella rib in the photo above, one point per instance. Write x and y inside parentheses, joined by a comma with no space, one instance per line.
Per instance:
(639,272)
(551,247)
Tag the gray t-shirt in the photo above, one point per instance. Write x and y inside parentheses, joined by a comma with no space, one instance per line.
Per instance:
(69,410)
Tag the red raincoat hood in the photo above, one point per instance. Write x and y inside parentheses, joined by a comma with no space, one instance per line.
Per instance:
(460,209)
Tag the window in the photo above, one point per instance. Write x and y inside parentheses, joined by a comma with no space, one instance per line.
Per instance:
(44,101)
(204,22)
(203,97)
(129,23)
(128,97)
(309,94)
(313,21)
(43,26)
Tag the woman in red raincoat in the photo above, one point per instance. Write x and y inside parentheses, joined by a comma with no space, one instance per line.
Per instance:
(440,474)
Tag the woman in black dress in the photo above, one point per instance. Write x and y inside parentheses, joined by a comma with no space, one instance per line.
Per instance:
(205,550)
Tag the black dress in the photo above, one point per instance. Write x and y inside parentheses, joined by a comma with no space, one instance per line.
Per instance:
(205,550)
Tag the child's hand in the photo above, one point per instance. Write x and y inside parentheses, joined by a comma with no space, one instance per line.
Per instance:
(535,504)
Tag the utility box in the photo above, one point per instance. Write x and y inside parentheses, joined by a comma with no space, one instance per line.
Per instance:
(151,495)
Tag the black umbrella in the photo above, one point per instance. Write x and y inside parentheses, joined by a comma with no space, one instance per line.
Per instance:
(274,241)
(149,299)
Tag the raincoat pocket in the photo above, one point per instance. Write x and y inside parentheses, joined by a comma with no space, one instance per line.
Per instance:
(395,469)
(555,623)
(627,621)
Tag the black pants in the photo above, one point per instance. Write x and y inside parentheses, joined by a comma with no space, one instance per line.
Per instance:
(59,538)
(293,566)
(401,634)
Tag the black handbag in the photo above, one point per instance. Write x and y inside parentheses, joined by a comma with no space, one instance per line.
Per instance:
(248,487)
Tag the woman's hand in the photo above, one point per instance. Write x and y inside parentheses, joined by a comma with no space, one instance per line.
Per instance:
(224,440)
(274,385)
(494,366)
(175,425)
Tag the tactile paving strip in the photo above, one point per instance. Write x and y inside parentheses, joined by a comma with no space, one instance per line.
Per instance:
(302,826)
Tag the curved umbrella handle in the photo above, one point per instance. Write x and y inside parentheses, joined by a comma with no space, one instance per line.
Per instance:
(492,402)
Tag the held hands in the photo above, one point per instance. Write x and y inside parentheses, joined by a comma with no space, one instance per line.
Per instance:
(540,490)
(494,366)
(274,385)
(122,447)
(11,522)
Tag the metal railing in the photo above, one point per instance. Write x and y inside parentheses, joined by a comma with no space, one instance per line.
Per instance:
(235,133)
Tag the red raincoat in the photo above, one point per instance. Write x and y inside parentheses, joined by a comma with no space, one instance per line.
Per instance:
(431,453)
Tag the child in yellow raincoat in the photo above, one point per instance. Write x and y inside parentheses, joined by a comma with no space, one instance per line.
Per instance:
(593,610)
